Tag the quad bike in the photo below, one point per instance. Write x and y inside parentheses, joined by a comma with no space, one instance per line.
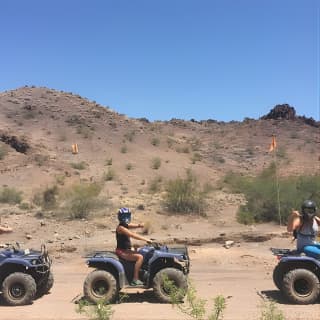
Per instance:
(297,276)
(112,273)
(24,275)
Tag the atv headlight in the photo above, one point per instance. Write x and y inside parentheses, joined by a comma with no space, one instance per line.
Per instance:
(34,262)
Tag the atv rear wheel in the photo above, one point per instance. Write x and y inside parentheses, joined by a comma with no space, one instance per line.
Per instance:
(100,285)
(161,284)
(18,289)
(45,286)
(301,286)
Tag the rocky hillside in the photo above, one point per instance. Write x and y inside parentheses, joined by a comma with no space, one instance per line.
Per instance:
(38,127)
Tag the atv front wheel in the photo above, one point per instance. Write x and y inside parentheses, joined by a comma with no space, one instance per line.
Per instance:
(45,286)
(301,286)
(169,279)
(100,285)
(277,276)
(18,289)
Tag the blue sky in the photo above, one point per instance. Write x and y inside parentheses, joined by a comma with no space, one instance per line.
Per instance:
(161,59)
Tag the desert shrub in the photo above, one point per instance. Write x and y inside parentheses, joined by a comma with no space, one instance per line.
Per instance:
(196,157)
(41,159)
(261,194)
(78,165)
(156,163)
(155,141)
(154,185)
(269,311)
(129,166)
(99,311)
(185,195)
(124,149)
(130,135)
(3,152)
(194,307)
(109,175)
(25,206)
(46,199)
(108,162)
(10,195)
(60,178)
(170,142)
(81,200)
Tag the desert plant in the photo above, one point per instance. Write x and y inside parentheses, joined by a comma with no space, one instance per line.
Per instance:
(270,311)
(108,162)
(156,163)
(196,157)
(3,152)
(129,166)
(109,175)
(130,135)
(185,195)
(194,307)
(81,200)
(155,141)
(41,159)
(10,195)
(261,194)
(154,185)
(124,149)
(79,165)
(99,311)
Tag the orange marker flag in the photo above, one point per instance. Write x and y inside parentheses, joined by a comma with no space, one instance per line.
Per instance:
(273,144)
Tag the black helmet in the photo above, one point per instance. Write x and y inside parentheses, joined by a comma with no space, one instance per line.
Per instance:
(308,209)
(124,215)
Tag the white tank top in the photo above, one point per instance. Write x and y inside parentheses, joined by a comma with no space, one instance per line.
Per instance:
(307,234)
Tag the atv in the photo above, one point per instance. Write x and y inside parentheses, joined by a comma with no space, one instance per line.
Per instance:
(24,275)
(160,262)
(297,276)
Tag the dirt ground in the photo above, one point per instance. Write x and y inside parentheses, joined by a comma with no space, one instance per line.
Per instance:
(242,274)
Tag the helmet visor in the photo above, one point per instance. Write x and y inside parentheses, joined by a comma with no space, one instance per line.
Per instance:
(309,210)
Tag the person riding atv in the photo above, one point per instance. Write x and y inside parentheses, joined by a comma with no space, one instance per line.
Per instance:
(305,227)
(124,246)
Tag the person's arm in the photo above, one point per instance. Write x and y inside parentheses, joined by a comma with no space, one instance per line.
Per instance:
(294,221)
(135,225)
(317,219)
(131,234)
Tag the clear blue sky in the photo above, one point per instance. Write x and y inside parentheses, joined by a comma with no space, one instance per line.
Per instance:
(163,59)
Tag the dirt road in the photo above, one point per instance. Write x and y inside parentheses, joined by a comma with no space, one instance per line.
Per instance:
(242,274)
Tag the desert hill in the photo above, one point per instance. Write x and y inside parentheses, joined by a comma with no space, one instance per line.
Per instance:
(38,127)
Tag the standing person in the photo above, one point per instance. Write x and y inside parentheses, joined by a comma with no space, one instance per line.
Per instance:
(305,226)
(124,247)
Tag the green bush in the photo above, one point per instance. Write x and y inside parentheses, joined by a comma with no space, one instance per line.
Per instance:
(10,195)
(46,199)
(194,306)
(155,185)
(78,165)
(3,152)
(155,141)
(109,175)
(261,194)
(185,195)
(156,163)
(81,200)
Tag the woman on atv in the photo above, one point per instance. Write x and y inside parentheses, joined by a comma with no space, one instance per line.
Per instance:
(124,247)
(305,227)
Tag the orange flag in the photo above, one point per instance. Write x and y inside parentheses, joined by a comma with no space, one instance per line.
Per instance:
(273,144)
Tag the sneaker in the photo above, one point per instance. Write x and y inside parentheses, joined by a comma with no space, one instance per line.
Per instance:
(136,283)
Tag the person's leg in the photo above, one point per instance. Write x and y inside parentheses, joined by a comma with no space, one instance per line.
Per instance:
(312,251)
(133,256)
